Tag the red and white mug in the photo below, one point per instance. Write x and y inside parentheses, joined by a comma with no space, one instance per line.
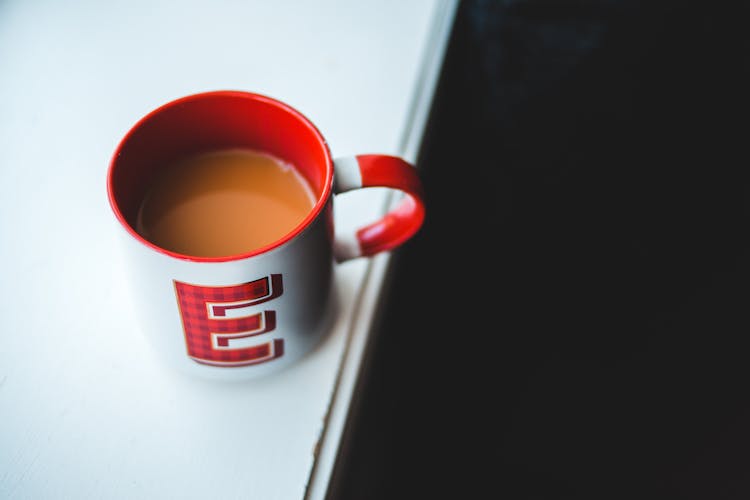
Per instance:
(242,316)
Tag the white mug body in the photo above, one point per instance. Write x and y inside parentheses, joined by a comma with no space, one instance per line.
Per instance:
(235,319)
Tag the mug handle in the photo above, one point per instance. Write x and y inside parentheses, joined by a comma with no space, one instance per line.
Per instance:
(396,226)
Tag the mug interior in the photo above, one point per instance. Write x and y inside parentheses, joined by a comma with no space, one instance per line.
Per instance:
(212,121)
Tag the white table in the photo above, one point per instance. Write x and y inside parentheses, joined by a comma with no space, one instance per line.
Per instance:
(86,410)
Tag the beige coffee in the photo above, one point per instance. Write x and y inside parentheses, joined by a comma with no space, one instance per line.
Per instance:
(224,203)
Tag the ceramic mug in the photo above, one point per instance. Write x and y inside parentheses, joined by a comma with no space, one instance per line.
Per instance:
(250,314)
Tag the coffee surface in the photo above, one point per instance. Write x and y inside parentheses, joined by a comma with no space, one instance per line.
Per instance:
(224,203)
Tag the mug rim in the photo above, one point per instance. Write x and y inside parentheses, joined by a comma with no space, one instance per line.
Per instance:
(309,218)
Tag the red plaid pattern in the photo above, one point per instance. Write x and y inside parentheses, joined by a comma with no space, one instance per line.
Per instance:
(210,324)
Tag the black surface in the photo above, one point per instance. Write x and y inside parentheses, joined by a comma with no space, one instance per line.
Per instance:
(571,322)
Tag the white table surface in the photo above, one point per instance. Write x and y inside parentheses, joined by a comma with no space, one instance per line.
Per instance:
(86,410)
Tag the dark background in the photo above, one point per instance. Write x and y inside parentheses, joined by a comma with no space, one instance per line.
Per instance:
(571,321)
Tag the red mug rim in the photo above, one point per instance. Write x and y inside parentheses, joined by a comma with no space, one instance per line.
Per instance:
(311,216)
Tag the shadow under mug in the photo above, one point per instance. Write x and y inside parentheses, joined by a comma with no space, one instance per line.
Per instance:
(247,315)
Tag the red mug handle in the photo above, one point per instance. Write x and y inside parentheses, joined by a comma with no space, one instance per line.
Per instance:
(396,226)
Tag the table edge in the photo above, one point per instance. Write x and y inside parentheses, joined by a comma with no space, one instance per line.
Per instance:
(353,366)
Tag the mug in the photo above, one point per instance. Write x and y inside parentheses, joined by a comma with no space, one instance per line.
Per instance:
(251,314)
